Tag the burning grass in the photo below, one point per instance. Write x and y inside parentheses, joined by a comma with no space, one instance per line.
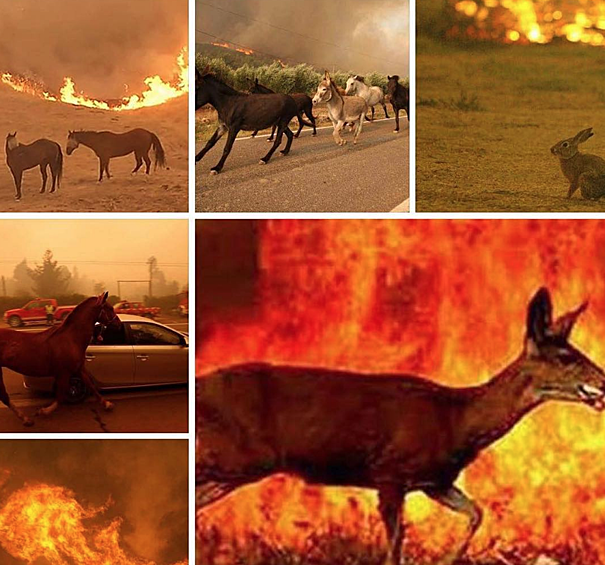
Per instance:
(498,159)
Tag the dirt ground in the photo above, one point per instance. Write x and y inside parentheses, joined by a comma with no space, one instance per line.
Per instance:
(164,190)
(487,116)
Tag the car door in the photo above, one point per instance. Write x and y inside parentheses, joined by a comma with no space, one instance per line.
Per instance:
(160,354)
(111,360)
(35,312)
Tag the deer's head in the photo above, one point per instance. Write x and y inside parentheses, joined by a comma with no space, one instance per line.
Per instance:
(559,370)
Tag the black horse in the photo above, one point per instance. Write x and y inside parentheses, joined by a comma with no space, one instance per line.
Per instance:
(400,98)
(239,111)
(304,103)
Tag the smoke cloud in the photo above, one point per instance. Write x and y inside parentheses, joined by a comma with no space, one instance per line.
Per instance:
(145,479)
(357,35)
(103,45)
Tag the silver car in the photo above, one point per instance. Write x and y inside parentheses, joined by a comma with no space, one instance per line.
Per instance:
(142,353)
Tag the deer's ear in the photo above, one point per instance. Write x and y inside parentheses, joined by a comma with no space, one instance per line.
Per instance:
(565,323)
(539,317)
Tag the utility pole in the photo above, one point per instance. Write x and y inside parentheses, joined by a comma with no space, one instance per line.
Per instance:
(3,286)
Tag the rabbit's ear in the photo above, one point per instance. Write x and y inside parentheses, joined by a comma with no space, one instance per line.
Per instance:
(583,135)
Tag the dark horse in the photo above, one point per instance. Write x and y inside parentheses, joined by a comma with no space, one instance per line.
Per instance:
(303,101)
(42,153)
(107,145)
(400,98)
(57,352)
(241,111)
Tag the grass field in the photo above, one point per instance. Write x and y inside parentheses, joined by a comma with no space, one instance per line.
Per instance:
(487,116)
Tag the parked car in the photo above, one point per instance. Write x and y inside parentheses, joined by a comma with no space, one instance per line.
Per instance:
(136,309)
(143,353)
(34,312)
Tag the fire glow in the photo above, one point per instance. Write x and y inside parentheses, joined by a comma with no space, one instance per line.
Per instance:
(158,91)
(47,522)
(531,21)
(233,48)
(445,299)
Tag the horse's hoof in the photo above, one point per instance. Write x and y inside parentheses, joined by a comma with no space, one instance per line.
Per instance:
(213,172)
(17,199)
(395,131)
(284,152)
(108,406)
(344,142)
(314,134)
(262,162)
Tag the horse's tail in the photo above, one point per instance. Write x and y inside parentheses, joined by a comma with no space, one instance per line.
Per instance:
(160,155)
(59,166)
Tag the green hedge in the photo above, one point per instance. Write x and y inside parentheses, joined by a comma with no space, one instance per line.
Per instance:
(288,79)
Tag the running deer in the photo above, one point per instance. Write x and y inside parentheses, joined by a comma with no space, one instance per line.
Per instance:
(393,433)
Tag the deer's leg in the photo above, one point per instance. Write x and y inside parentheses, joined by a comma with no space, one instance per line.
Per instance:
(457,501)
(90,383)
(220,131)
(7,402)
(44,174)
(390,505)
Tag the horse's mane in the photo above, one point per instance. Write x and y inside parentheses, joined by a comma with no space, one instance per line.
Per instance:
(78,308)
(223,88)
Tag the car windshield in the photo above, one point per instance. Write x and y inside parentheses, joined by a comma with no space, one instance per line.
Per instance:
(153,334)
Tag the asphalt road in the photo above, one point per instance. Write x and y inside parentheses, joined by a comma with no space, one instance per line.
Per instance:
(158,409)
(317,175)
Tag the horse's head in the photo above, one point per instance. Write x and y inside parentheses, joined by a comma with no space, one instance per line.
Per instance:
(392,84)
(202,93)
(107,316)
(72,142)
(324,90)
(353,84)
(11,141)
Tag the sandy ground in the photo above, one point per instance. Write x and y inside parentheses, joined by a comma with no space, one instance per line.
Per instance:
(164,190)
(487,117)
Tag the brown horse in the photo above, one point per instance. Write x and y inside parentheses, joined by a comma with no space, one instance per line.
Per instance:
(42,153)
(107,145)
(59,351)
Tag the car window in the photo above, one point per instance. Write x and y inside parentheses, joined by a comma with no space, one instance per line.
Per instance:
(152,334)
(32,305)
(111,336)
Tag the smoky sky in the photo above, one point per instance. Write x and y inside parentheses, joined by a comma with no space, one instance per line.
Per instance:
(102,44)
(145,479)
(353,35)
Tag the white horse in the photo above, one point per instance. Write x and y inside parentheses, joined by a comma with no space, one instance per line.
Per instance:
(373,95)
(341,109)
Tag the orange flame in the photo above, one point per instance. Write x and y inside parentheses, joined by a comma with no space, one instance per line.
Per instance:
(445,299)
(534,21)
(233,48)
(47,522)
(158,91)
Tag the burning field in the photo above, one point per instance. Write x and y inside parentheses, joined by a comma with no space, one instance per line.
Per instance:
(83,78)
(446,299)
(498,84)
(93,503)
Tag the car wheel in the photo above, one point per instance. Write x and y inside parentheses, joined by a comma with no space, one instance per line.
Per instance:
(78,390)
(15,322)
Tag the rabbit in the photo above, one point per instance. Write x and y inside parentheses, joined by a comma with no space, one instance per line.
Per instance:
(582,170)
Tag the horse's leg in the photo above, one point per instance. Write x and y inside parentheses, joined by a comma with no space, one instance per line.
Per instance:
(309,114)
(290,137)
(396,119)
(139,162)
(300,126)
(90,383)
(336,135)
(101,169)
(18,176)
(54,175)
(272,136)
(220,131)
(61,395)
(373,113)
(147,163)
(43,168)
(7,401)
(107,169)
(280,132)
(228,146)
(254,133)
(384,107)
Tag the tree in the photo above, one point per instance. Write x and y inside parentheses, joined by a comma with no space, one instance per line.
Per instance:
(22,279)
(49,278)
(99,287)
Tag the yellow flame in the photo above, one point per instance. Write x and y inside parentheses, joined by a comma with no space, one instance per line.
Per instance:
(158,91)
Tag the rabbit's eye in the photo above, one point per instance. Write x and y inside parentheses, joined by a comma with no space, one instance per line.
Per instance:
(566,144)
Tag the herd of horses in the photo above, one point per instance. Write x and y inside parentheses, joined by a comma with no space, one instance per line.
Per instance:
(46,154)
(262,108)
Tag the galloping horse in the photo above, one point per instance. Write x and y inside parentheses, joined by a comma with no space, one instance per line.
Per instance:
(107,145)
(42,153)
(59,351)
(373,95)
(341,109)
(239,111)
(400,98)
(303,101)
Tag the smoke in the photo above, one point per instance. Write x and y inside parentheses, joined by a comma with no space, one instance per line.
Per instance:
(357,35)
(103,45)
(146,480)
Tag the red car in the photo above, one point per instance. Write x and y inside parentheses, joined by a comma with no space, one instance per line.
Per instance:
(136,309)
(34,312)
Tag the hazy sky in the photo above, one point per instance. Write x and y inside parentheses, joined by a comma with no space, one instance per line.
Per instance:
(355,35)
(78,242)
(102,44)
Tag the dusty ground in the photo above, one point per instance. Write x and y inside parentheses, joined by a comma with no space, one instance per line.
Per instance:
(161,191)
(487,117)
